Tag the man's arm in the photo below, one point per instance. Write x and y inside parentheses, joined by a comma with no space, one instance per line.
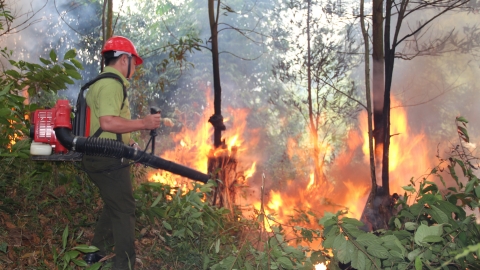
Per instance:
(117,124)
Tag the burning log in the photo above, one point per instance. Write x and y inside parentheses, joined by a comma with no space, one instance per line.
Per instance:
(223,164)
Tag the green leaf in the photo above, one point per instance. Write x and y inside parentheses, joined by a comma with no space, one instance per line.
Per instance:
(339,241)
(438,215)
(70,54)
(285,262)
(79,262)
(45,61)
(470,186)
(340,249)
(65,237)
(378,251)
(86,248)
(76,63)
(462,119)
(463,133)
(95,266)
(13,73)
(409,188)
(418,263)
(157,200)
(3,247)
(477,191)
(424,231)
(432,239)
(369,239)
(352,221)
(358,260)
(53,56)
(414,254)
(167,225)
(326,216)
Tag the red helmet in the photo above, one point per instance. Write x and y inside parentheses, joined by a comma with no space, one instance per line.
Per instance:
(122,45)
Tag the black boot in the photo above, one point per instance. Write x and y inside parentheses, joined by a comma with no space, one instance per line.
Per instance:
(91,258)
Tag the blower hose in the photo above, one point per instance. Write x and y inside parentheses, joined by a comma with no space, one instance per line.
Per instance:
(101,147)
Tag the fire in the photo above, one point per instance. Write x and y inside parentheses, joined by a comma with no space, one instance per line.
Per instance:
(194,145)
(408,152)
(347,183)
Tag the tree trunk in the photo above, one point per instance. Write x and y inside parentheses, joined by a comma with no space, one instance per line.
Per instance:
(216,119)
(378,83)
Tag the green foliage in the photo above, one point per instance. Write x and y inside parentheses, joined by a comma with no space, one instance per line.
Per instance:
(42,82)
(432,232)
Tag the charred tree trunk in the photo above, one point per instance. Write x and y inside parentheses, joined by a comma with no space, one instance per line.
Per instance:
(221,166)
(225,165)
(378,82)
(216,119)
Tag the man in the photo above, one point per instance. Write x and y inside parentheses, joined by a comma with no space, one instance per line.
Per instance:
(110,118)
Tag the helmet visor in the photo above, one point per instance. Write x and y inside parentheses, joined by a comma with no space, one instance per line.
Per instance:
(138,60)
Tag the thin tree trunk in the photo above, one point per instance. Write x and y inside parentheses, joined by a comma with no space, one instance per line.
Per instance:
(378,82)
(369,102)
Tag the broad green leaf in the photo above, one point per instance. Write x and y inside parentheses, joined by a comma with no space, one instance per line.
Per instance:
(352,221)
(339,242)
(398,224)
(326,216)
(470,186)
(86,248)
(414,254)
(409,188)
(76,63)
(285,262)
(3,247)
(418,263)
(477,191)
(369,239)
(424,231)
(53,56)
(330,238)
(70,54)
(45,61)
(358,260)
(378,251)
(4,112)
(81,263)
(401,235)
(438,215)
(352,230)
(167,225)
(13,73)
(340,249)
(432,239)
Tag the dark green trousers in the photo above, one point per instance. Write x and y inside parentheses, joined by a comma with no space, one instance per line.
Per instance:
(116,225)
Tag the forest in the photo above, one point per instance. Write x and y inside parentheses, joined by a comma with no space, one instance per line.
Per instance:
(334,134)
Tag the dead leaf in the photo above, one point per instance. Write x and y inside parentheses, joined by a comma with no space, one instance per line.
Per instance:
(10,225)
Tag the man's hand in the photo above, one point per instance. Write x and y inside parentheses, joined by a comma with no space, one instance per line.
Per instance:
(152,121)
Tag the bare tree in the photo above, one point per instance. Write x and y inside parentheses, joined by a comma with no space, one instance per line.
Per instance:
(379,206)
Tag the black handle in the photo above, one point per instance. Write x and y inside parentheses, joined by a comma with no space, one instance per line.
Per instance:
(153,132)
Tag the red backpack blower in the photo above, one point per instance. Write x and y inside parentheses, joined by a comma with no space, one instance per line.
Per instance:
(54,130)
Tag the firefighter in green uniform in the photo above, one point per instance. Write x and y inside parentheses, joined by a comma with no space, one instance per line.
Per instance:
(110,118)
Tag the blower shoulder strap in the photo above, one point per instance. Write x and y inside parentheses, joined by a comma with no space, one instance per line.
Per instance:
(99,77)
(103,76)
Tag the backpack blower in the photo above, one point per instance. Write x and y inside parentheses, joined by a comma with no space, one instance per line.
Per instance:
(64,131)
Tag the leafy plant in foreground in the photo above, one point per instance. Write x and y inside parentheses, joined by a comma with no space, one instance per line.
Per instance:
(433,232)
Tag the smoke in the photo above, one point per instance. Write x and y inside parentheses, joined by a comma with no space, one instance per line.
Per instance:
(44,25)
